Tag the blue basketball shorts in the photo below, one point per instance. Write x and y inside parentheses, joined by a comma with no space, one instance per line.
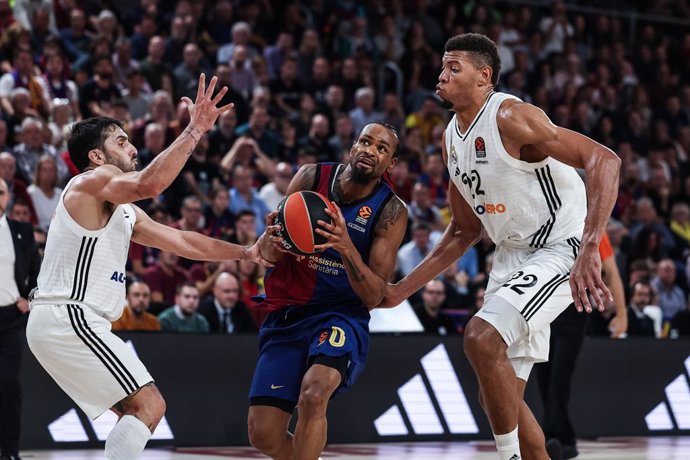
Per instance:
(293,338)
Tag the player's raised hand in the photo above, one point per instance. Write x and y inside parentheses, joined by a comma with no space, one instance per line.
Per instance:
(204,111)
(585,278)
(335,233)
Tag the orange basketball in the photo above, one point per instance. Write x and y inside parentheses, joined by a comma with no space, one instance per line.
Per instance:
(297,216)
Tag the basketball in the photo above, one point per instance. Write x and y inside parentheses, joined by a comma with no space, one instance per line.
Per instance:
(298,215)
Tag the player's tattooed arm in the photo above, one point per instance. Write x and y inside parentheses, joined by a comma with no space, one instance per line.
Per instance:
(304,179)
(390,214)
(352,269)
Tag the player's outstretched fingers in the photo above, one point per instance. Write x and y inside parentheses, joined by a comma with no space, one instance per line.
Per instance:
(211,87)
(219,96)
(202,87)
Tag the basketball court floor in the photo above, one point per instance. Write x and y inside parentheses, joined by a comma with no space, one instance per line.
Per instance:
(657,448)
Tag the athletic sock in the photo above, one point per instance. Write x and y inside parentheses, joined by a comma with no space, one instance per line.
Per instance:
(127,440)
(508,445)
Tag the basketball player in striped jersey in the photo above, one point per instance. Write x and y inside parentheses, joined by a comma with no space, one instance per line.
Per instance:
(512,172)
(81,285)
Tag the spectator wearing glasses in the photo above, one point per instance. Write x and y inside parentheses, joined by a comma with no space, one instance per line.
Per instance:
(429,310)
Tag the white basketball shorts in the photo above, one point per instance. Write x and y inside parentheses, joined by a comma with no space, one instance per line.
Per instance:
(90,363)
(527,290)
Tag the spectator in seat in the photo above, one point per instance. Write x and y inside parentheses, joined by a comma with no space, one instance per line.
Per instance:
(183,316)
(23,76)
(156,71)
(44,192)
(639,324)
(435,177)
(242,76)
(218,220)
(222,137)
(426,119)
(257,128)
(223,310)
(671,297)
(317,139)
(96,97)
(245,228)
(16,186)
(201,173)
(344,136)
(423,209)
(20,211)
(135,316)
(364,113)
(429,311)
(32,148)
(273,192)
(187,72)
(412,253)
(243,196)
(76,39)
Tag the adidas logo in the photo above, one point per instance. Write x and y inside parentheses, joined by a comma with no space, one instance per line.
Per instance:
(69,427)
(515,457)
(678,397)
(433,402)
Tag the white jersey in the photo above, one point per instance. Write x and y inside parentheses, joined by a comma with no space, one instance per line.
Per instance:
(86,267)
(520,204)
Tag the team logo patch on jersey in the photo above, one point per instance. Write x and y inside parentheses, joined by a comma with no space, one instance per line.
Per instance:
(453,155)
(323,337)
(480,147)
(363,215)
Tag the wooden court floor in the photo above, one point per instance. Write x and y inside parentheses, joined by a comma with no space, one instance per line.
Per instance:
(656,448)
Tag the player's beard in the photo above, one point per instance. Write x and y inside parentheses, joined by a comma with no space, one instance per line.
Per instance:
(362,177)
(122,164)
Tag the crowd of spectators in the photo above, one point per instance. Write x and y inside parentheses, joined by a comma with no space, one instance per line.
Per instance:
(305,77)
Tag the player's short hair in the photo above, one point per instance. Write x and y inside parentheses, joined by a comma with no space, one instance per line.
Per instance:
(390,128)
(88,135)
(482,51)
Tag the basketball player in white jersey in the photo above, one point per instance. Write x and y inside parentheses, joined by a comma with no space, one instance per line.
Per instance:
(81,285)
(512,172)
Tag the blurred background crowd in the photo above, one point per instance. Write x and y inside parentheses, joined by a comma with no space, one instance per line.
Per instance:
(305,77)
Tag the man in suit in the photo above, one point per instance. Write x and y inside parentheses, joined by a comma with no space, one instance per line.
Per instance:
(19,265)
(223,310)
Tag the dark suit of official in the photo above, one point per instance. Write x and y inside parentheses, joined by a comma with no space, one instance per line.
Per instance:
(240,316)
(12,326)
